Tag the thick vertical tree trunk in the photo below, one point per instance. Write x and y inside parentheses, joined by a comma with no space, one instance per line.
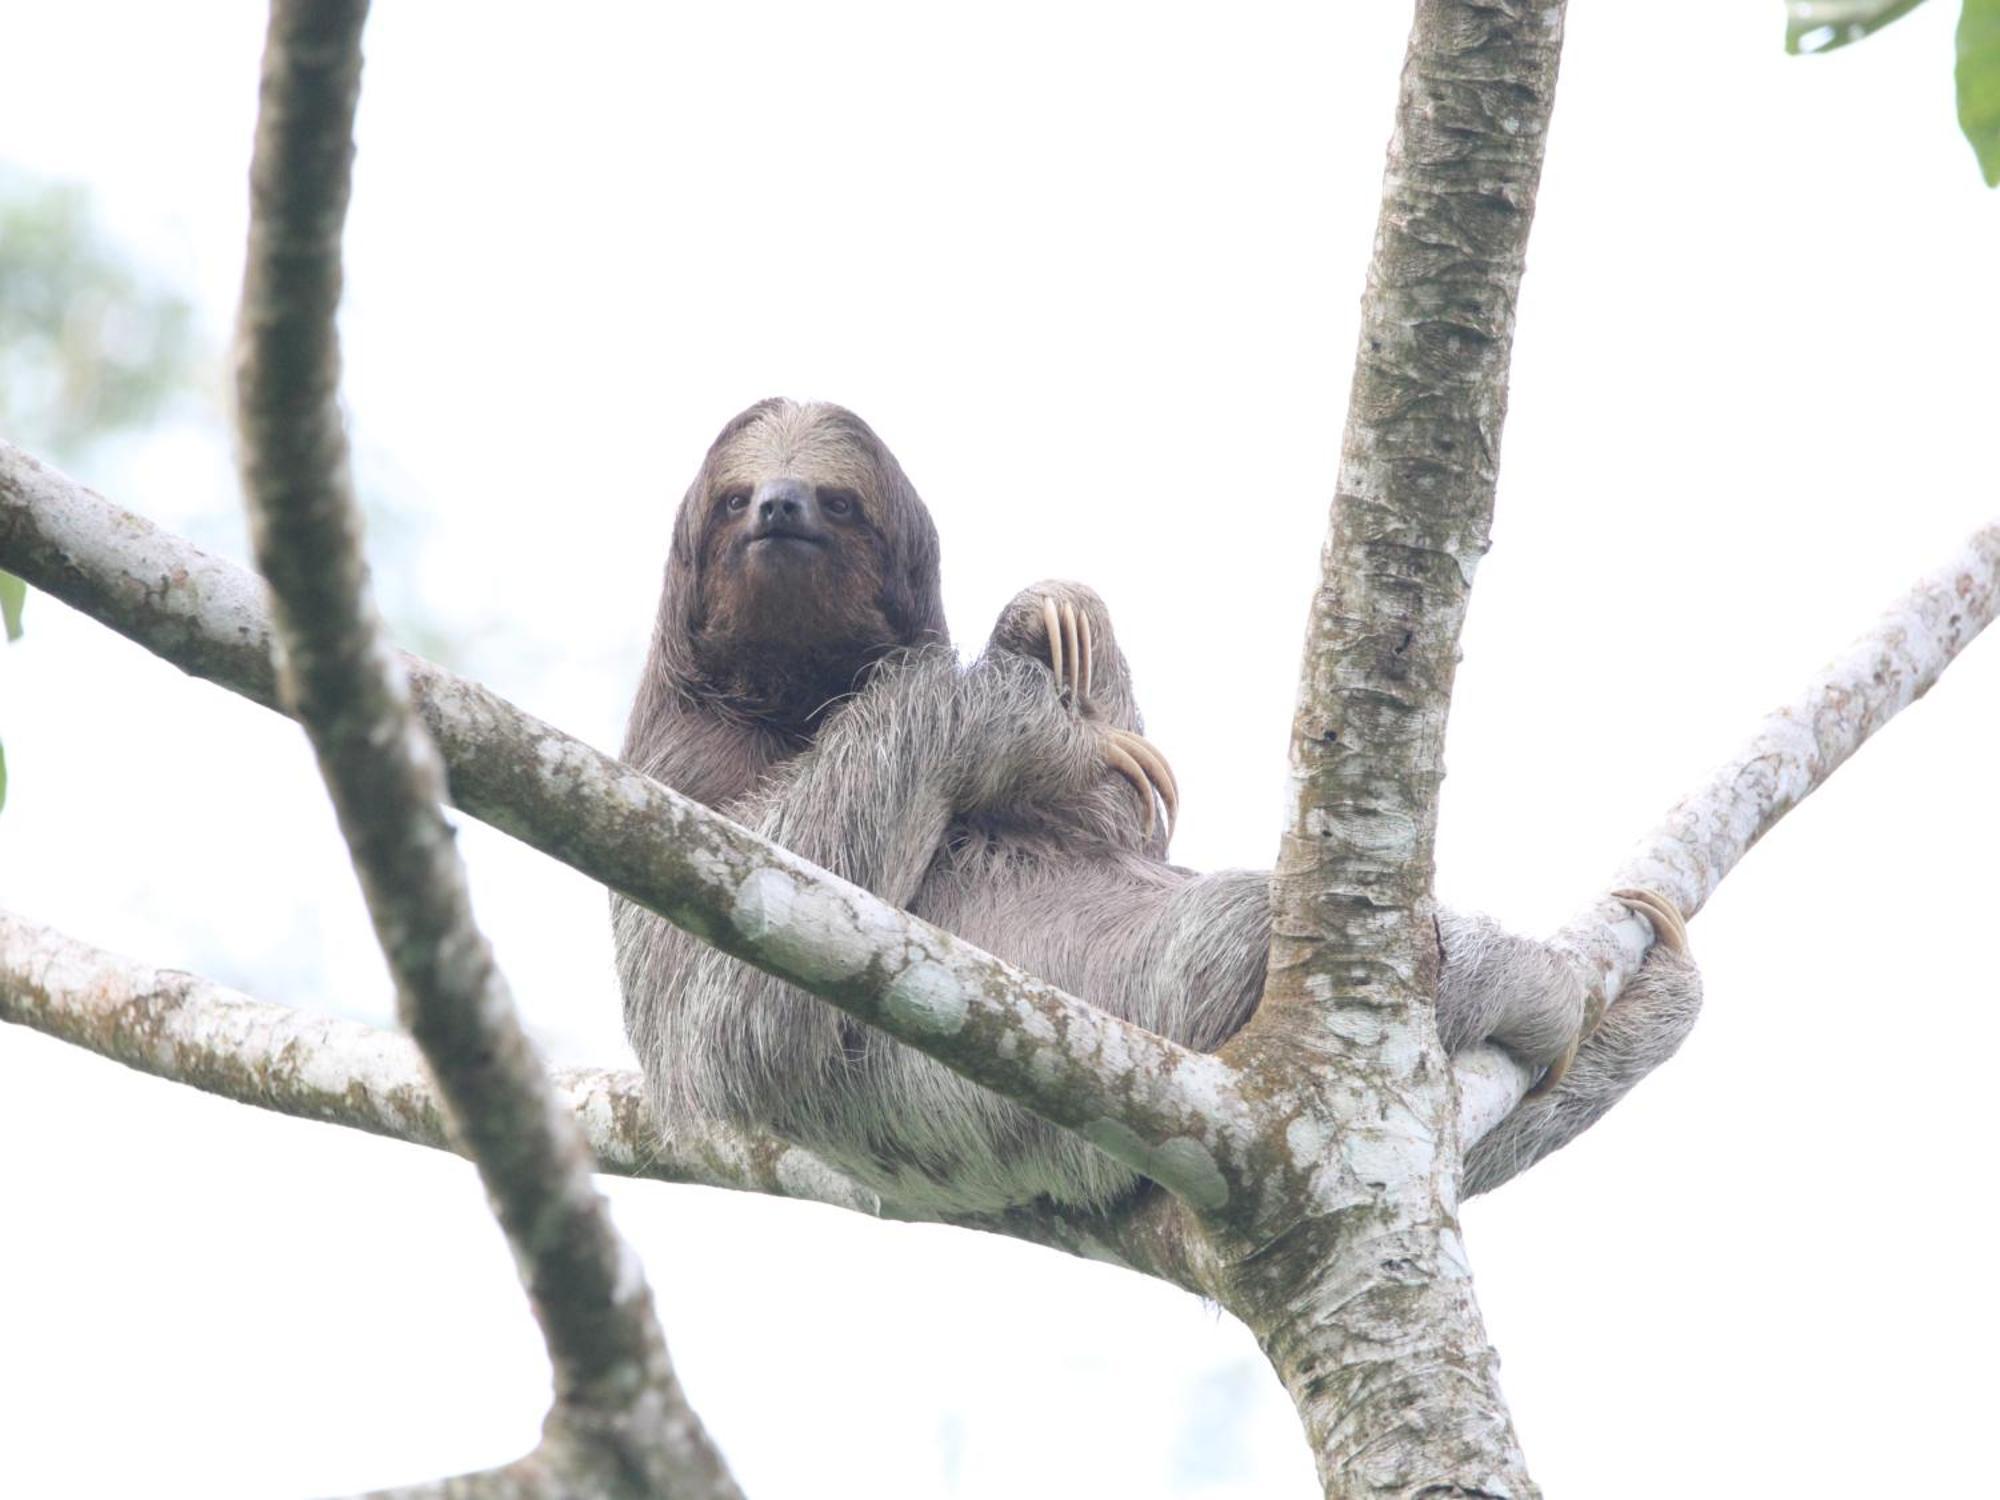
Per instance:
(1354,1278)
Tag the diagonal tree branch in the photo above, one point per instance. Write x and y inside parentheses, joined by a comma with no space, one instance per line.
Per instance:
(181,1027)
(621,1422)
(1797,746)
(1795,749)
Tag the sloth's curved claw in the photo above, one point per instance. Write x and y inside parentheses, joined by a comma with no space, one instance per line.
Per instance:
(1127,765)
(1557,1069)
(1052,623)
(1669,926)
(1669,932)
(1083,655)
(1163,777)
(1155,776)
(1072,654)
(1068,630)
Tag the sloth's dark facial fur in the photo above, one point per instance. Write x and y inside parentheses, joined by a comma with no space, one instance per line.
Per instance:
(794,551)
(801,557)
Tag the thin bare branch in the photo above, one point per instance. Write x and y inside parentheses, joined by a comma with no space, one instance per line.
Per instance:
(619,1407)
(1891,665)
(1788,757)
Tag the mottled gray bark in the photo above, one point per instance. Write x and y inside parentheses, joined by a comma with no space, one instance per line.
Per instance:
(1353,1277)
(181,1027)
(620,1425)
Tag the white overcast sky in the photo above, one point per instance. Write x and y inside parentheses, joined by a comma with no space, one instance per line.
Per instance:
(1092,271)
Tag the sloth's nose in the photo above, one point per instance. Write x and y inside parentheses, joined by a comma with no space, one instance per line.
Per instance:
(783,500)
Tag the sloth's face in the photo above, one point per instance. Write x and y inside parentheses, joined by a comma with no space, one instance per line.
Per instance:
(795,545)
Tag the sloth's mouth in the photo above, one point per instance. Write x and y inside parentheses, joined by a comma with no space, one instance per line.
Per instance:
(786,541)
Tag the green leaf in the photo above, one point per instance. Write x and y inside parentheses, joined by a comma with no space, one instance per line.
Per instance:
(1979,83)
(3,775)
(1823,25)
(13,593)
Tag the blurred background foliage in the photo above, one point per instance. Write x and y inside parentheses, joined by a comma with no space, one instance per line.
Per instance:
(90,344)
(95,346)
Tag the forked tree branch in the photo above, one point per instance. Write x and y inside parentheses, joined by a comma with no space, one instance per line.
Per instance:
(621,1424)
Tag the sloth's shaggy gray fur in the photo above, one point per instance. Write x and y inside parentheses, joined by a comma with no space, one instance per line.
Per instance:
(977,797)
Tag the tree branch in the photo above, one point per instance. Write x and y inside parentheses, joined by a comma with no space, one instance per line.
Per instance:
(1786,758)
(1797,746)
(181,1027)
(621,1423)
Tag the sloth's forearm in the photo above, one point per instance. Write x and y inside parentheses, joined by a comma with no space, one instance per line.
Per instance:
(872,797)
(925,744)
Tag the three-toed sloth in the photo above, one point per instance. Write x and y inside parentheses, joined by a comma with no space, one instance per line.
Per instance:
(800,680)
